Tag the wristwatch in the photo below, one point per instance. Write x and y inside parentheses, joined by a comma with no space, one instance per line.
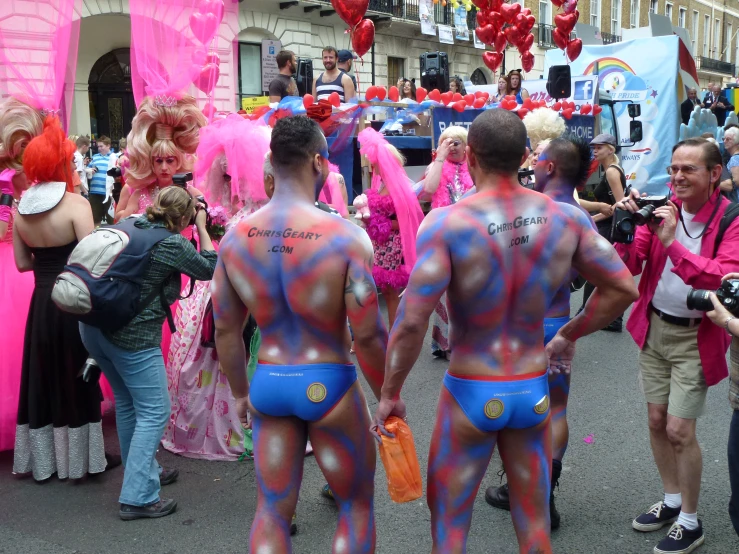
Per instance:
(728,320)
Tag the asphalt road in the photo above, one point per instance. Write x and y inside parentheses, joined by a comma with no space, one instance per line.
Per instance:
(604,484)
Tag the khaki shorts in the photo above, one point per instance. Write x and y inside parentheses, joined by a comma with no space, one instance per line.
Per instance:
(670,369)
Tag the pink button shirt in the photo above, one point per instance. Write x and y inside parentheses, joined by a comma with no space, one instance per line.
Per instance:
(702,271)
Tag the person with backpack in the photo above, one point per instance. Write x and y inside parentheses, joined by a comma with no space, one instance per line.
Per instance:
(131,357)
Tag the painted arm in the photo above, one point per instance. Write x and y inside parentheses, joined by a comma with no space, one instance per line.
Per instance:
(363,311)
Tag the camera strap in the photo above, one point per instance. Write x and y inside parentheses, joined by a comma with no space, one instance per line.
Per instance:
(705,228)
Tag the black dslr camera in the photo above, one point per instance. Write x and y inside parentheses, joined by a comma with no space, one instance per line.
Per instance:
(523,174)
(181,180)
(114,172)
(727,294)
(624,222)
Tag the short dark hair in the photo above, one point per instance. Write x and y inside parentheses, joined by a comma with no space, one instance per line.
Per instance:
(295,140)
(572,156)
(105,140)
(498,139)
(82,141)
(709,150)
(330,49)
(284,57)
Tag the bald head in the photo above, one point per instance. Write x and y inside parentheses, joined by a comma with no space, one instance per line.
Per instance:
(498,140)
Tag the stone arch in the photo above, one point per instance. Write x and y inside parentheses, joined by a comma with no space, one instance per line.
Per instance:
(478,77)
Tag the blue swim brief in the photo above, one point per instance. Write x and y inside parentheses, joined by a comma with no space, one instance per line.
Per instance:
(494,405)
(308,391)
(552,325)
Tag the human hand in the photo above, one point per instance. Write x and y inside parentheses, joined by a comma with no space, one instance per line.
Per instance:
(666,230)
(628,203)
(560,353)
(443,151)
(730,276)
(242,412)
(201,215)
(605,209)
(386,408)
(719,315)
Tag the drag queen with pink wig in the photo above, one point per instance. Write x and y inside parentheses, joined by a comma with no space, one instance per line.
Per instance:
(395,216)
(204,423)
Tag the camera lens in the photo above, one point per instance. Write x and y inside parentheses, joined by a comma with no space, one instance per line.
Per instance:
(627,226)
(698,300)
(644,215)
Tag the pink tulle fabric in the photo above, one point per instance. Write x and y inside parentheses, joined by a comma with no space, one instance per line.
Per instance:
(389,270)
(331,192)
(244,143)
(391,172)
(38,53)
(441,197)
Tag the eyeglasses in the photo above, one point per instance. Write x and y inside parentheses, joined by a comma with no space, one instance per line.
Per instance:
(685,169)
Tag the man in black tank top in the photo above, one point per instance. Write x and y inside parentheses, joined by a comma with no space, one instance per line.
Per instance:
(333,79)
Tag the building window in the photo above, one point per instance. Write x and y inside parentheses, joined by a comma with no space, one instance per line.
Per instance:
(653,6)
(545,14)
(395,70)
(716,39)
(250,70)
(681,15)
(706,33)
(694,34)
(615,17)
(634,14)
(595,13)
(729,35)
(668,11)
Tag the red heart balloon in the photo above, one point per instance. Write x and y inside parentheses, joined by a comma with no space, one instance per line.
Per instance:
(514,35)
(558,3)
(496,20)
(585,109)
(526,11)
(308,101)
(334,99)
(207,77)
(597,109)
(528,103)
(571,106)
(204,26)
(511,97)
(459,106)
(482,4)
(457,97)
(492,60)
(363,36)
(500,42)
(469,99)
(522,112)
(370,94)
(209,110)
(509,104)
(557,106)
(527,24)
(495,5)
(434,95)
(573,49)
(560,38)
(421,94)
(479,102)
(527,58)
(567,114)
(478,94)
(381,93)
(510,11)
(482,18)
(486,34)
(565,22)
(526,43)
(446,98)
(394,94)
(351,11)
(486,96)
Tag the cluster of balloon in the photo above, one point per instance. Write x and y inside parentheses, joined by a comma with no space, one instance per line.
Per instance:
(567,109)
(529,105)
(564,23)
(500,24)
(362,30)
(333,98)
(205,69)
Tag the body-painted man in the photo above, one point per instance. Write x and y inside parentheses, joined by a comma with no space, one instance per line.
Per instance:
(561,166)
(501,255)
(301,272)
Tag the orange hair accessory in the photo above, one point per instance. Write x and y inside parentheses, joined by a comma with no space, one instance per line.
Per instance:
(48,157)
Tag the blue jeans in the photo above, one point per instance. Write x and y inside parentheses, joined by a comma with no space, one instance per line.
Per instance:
(142,407)
(734,470)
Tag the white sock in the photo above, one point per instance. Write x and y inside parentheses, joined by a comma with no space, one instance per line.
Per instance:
(673,500)
(689,521)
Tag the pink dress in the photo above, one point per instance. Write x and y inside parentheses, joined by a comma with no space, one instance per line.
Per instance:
(389,271)
(203,423)
(15,297)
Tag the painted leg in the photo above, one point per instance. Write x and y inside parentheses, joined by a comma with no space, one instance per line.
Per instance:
(527,459)
(345,452)
(392,301)
(559,393)
(460,454)
(279,448)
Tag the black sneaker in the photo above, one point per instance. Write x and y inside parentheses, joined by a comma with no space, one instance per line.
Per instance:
(681,540)
(498,497)
(658,515)
(158,509)
(168,476)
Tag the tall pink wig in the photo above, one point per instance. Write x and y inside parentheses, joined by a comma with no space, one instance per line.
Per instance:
(380,154)
(331,192)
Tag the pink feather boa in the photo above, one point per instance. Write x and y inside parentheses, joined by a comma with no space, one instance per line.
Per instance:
(441,197)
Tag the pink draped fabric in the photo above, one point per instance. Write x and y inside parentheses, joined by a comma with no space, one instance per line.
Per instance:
(331,192)
(374,146)
(244,143)
(38,53)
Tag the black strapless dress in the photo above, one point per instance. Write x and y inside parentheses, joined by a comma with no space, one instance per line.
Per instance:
(59,422)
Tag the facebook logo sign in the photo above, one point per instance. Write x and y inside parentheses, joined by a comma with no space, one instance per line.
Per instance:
(583,90)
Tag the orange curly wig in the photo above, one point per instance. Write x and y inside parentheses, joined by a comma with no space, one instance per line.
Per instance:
(49,156)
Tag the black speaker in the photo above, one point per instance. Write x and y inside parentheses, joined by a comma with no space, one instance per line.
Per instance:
(304,76)
(435,71)
(559,84)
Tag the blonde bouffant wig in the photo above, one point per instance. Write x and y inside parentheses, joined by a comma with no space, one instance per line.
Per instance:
(162,131)
(19,124)
(542,124)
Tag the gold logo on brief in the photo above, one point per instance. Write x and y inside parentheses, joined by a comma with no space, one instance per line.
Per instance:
(542,406)
(316,392)
(494,408)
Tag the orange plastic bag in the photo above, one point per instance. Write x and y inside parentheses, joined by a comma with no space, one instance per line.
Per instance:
(399,457)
